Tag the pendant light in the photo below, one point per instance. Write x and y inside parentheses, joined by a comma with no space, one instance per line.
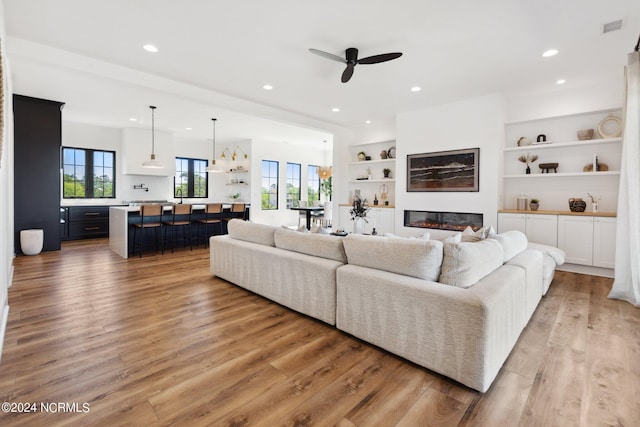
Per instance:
(153,163)
(324,172)
(212,166)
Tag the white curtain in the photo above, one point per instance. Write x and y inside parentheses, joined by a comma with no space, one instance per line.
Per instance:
(626,285)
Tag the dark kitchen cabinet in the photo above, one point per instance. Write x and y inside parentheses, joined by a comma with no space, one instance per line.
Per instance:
(87,222)
(37,142)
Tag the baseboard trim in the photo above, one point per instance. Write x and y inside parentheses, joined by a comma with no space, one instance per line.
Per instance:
(587,269)
(3,327)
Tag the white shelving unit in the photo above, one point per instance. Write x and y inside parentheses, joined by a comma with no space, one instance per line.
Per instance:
(572,155)
(370,187)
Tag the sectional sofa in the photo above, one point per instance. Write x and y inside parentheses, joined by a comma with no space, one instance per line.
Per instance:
(456,308)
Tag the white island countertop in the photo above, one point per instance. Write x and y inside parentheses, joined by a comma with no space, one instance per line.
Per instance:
(119,224)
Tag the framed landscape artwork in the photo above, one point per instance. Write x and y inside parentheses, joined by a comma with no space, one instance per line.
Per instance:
(444,171)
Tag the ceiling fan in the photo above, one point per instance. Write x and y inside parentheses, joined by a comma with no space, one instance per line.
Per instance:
(351,59)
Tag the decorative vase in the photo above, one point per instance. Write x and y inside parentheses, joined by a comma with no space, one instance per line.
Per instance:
(577,205)
(358,225)
(594,207)
(528,171)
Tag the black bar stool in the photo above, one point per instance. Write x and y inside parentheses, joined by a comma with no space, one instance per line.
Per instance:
(180,217)
(150,217)
(212,215)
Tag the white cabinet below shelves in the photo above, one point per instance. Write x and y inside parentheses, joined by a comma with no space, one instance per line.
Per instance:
(575,237)
(380,218)
(604,242)
(538,228)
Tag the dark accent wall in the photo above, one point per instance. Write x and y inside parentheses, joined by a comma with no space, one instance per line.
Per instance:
(37,142)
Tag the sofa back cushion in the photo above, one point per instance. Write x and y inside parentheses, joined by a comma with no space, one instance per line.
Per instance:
(320,245)
(513,242)
(465,263)
(252,232)
(410,257)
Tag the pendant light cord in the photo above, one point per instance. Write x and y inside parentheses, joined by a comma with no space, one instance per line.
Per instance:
(214,139)
(153,131)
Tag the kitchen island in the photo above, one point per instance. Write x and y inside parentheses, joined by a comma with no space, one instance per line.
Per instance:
(121,218)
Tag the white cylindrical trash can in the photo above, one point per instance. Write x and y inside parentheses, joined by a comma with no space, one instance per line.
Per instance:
(31,241)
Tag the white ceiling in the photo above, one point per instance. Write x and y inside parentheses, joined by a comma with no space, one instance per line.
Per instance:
(221,53)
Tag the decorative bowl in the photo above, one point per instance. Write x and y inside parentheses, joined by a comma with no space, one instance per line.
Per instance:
(585,134)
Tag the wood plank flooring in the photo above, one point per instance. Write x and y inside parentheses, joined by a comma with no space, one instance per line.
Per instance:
(157,341)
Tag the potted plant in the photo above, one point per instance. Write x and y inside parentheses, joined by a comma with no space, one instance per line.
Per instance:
(234,197)
(359,214)
(386,172)
(534,204)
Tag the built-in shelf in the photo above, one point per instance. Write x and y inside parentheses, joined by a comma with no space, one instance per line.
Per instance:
(237,171)
(366,162)
(357,181)
(563,144)
(563,174)
(237,183)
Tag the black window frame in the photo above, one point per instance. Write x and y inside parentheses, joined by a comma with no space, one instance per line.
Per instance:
(191,173)
(271,180)
(88,172)
(291,201)
(313,180)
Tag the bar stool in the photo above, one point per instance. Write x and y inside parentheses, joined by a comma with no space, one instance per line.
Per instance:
(180,217)
(212,215)
(150,217)
(237,211)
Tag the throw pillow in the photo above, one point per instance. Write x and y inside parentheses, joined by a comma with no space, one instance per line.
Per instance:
(465,263)
(454,238)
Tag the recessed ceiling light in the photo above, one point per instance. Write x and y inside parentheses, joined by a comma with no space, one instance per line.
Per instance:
(267,87)
(550,52)
(561,81)
(416,89)
(150,48)
(188,128)
(133,119)
(335,109)
(368,121)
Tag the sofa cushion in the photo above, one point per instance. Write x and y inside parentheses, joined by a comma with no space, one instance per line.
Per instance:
(513,242)
(411,257)
(252,232)
(465,263)
(315,244)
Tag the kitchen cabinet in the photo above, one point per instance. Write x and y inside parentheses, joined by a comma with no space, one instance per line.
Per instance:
(87,222)
(37,141)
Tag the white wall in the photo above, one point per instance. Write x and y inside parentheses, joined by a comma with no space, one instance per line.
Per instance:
(477,122)
(6,188)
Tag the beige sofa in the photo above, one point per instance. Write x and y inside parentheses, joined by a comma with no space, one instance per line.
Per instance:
(454,308)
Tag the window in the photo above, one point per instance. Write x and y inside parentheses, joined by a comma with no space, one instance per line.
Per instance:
(294,177)
(88,174)
(313,183)
(191,178)
(270,184)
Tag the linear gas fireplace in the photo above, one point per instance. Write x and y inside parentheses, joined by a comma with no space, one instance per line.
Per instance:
(456,221)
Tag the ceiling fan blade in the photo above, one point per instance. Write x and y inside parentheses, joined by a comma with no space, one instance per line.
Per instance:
(328,55)
(379,58)
(347,73)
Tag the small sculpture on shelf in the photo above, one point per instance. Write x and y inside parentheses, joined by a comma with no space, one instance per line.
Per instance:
(386,172)
(362,156)
(528,159)
(383,154)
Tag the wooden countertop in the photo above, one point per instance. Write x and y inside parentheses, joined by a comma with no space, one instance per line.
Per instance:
(599,214)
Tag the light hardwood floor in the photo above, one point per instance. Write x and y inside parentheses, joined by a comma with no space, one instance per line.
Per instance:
(158,341)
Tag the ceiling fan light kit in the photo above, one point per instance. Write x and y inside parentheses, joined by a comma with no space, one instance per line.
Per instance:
(351,59)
